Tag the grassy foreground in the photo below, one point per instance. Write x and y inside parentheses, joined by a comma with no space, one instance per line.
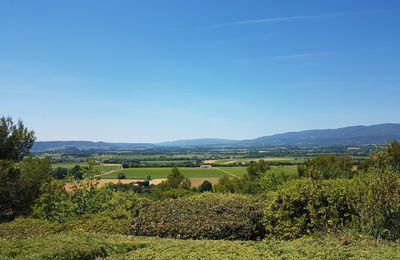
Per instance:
(82,245)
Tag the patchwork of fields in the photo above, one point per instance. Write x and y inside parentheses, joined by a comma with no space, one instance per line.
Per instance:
(246,160)
(157,173)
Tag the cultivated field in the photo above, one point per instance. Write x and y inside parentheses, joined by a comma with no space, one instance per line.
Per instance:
(215,172)
(156,173)
(102,168)
(195,182)
(246,160)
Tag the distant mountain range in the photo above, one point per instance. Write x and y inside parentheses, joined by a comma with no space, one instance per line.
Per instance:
(353,135)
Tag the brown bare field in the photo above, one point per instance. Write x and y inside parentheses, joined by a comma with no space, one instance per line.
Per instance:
(209,161)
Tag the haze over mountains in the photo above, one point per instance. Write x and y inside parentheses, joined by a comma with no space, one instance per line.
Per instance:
(353,135)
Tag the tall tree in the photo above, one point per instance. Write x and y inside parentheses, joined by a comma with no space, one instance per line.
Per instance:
(15,139)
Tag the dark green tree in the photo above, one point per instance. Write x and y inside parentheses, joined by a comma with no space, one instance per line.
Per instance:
(176,180)
(60,173)
(76,172)
(205,186)
(20,185)
(121,176)
(256,169)
(15,139)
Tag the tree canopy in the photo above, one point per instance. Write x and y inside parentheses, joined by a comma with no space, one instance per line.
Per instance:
(15,139)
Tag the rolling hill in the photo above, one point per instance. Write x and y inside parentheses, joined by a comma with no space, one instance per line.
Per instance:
(353,135)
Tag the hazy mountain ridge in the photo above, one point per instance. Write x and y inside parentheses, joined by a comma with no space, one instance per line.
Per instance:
(353,135)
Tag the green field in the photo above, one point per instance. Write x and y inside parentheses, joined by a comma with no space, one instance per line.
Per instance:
(102,168)
(157,173)
(268,159)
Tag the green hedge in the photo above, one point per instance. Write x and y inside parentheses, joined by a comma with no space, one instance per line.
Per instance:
(27,227)
(303,207)
(378,203)
(201,218)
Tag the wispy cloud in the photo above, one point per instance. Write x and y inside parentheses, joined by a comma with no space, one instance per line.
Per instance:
(294,56)
(291,18)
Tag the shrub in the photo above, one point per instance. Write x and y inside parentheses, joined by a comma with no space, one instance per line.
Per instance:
(274,178)
(60,173)
(20,185)
(246,185)
(76,172)
(117,216)
(379,203)
(302,207)
(73,245)
(201,218)
(121,176)
(27,227)
(327,166)
(84,197)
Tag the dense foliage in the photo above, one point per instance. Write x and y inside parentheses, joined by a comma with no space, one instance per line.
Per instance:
(212,218)
(327,166)
(378,194)
(15,140)
(20,185)
(303,207)
(326,198)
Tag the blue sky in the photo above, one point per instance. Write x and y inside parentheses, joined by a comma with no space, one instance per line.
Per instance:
(149,71)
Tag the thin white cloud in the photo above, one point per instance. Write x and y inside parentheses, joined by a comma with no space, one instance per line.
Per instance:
(288,57)
(302,55)
(291,18)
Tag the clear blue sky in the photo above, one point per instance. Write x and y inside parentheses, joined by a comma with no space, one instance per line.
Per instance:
(149,71)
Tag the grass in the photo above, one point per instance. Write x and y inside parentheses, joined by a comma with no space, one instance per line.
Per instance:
(82,245)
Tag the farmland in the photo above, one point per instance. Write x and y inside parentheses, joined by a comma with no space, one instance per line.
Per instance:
(215,172)
(101,168)
(155,173)
(233,160)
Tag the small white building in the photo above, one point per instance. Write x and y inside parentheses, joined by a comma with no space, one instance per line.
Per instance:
(205,166)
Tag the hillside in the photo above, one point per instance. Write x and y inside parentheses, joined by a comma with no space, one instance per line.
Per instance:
(353,135)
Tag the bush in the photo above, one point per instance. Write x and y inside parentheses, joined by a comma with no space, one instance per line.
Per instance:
(274,178)
(327,166)
(379,203)
(76,172)
(27,227)
(73,245)
(84,197)
(302,207)
(121,176)
(20,185)
(201,218)
(116,218)
(60,173)
(245,184)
